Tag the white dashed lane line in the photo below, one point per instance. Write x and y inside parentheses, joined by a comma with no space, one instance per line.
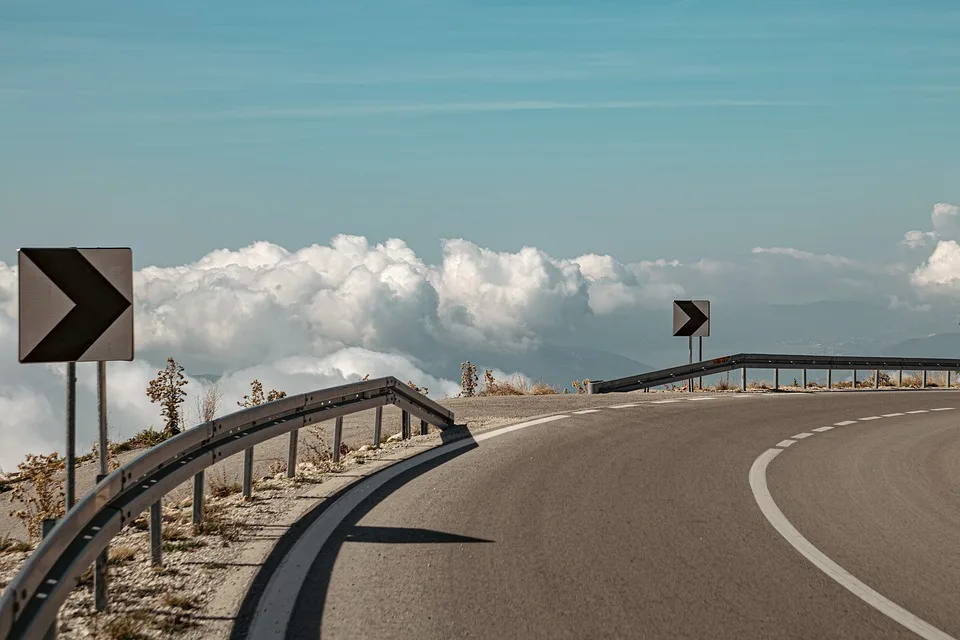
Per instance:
(580,413)
(696,399)
(663,401)
(758,483)
(623,406)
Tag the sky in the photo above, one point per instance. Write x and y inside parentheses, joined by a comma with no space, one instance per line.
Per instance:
(317,191)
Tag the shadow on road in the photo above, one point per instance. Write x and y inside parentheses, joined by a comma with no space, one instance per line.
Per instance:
(404,535)
(308,611)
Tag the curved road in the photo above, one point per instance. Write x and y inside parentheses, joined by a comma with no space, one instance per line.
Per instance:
(642,522)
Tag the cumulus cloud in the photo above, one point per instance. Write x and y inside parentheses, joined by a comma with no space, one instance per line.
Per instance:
(946,220)
(319,316)
(329,314)
(939,275)
(916,239)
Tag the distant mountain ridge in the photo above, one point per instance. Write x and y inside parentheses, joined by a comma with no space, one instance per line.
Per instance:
(938,345)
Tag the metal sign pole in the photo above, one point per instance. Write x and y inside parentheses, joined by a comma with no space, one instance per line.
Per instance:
(701,360)
(100,568)
(690,380)
(70,462)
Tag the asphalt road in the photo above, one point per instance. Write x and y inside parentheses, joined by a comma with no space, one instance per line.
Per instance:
(641,522)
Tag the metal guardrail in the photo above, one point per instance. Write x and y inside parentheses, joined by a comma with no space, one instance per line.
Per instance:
(745,361)
(30,603)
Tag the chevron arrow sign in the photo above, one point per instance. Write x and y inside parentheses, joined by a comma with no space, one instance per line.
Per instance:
(76,305)
(691,318)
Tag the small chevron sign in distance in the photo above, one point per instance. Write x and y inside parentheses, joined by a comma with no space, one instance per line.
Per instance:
(691,318)
(76,305)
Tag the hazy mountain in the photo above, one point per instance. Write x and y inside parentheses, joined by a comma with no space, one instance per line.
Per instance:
(941,345)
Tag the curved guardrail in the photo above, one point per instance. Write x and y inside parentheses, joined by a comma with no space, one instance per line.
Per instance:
(30,603)
(769,361)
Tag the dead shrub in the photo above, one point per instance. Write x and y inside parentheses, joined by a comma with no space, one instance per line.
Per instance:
(39,493)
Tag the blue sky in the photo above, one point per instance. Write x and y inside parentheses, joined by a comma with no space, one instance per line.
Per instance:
(676,129)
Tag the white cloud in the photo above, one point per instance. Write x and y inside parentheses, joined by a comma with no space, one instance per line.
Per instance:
(897,303)
(312,318)
(946,220)
(941,271)
(916,239)
(328,314)
(806,256)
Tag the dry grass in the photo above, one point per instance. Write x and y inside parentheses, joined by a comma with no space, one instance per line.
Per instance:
(176,600)
(125,626)
(220,487)
(214,523)
(122,553)
(12,545)
(517,386)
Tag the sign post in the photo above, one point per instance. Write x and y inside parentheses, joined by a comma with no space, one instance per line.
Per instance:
(76,305)
(691,318)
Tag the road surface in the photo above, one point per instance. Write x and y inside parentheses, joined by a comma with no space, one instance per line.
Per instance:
(646,522)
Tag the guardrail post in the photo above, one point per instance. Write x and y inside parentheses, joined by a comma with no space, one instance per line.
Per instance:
(829,378)
(47,525)
(948,379)
(804,379)
(924,383)
(854,379)
(776,379)
(743,379)
(876,379)
(423,427)
(337,437)
(292,454)
(900,379)
(198,498)
(156,534)
(405,425)
(248,472)
(377,427)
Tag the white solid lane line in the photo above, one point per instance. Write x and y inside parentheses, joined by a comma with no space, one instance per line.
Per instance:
(272,615)
(822,429)
(580,413)
(844,423)
(786,443)
(758,483)
(623,406)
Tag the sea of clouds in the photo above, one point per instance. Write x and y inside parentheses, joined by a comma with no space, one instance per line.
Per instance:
(328,314)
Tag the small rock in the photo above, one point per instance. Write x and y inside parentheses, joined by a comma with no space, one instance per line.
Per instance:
(395,437)
(364,448)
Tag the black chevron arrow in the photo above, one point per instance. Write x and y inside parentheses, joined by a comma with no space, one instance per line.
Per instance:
(696,318)
(98,305)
